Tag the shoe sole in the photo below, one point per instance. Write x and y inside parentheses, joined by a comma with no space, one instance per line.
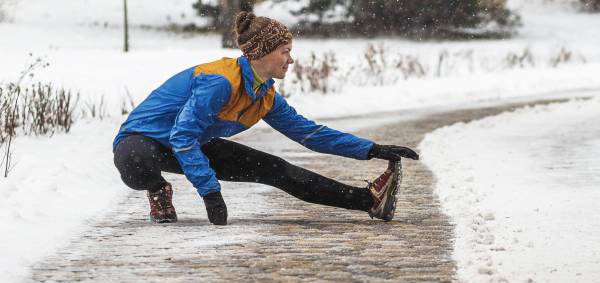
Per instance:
(164,221)
(390,195)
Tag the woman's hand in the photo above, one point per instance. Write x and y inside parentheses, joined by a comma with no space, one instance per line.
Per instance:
(392,152)
(215,208)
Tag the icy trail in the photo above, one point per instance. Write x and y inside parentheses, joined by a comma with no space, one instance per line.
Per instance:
(272,236)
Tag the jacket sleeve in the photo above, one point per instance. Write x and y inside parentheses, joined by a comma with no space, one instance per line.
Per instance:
(209,94)
(284,119)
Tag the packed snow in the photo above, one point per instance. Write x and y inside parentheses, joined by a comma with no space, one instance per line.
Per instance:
(522,189)
(57,184)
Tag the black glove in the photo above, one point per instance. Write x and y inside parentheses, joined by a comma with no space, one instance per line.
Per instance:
(215,208)
(392,152)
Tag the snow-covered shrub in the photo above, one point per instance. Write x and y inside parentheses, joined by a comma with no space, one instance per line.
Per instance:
(563,56)
(96,109)
(36,108)
(321,17)
(417,18)
(591,5)
(324,73)
(519,59)
(379,64)
(317,74)
(495,10)
(2,10)
(39,109)
(213,11)
(7,119)
(208,9)
(47,109)
(127,103)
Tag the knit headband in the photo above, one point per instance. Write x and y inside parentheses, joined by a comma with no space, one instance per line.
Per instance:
(259,36)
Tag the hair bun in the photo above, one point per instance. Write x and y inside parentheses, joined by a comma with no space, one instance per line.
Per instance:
(243,21)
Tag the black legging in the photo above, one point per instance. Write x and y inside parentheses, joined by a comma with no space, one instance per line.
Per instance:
(140,161)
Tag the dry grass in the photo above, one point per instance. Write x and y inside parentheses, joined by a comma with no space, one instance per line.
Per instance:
(39,109)
(379,66)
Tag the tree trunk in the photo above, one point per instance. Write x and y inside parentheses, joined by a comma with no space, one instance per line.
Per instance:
(125,27)
(229,9)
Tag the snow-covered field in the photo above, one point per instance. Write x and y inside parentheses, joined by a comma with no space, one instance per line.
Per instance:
(523,190)
(59,183)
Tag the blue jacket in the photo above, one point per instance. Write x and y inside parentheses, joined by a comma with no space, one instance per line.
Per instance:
(217,100)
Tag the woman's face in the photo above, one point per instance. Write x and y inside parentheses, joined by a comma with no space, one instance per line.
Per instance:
(276,63)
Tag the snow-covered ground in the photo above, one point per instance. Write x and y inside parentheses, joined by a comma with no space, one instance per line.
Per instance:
(58,183)
(523,190)
(55,185)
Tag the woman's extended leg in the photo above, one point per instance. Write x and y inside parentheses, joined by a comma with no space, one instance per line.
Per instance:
(239,163)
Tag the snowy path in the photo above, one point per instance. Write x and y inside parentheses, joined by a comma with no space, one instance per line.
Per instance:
(126,246)
(271,236)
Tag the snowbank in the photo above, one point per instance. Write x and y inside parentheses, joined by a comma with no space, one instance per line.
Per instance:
(522,188)
(53,187)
